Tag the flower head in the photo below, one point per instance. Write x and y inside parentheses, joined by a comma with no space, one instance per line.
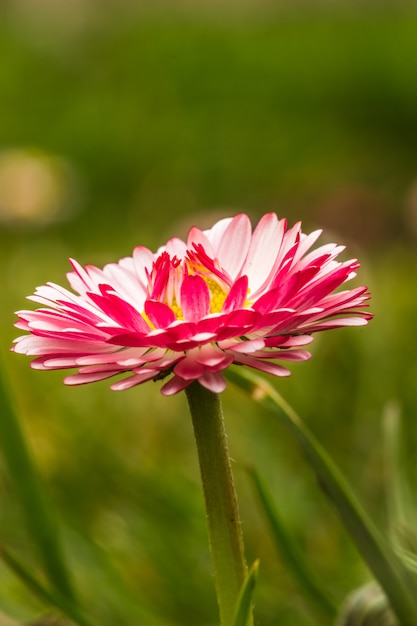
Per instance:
(226,295)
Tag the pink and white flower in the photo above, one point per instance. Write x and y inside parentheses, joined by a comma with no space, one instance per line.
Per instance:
(226,295)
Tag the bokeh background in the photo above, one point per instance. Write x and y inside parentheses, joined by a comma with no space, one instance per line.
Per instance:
(124,123)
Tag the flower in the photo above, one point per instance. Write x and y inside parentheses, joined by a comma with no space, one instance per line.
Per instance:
(226,295)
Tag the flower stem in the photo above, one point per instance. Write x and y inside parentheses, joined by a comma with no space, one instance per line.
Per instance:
(224,528)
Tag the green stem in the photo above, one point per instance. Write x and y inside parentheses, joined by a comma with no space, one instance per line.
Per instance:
(224,528)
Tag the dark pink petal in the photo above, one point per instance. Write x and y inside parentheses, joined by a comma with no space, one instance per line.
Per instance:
(159,313)
(195,298)
(124,314)
(199,257)
(184,345)
(237,295)
(267,302)
(243,319)
(269,322)
(288,341)
(181,330)
(137,340)
(322,286)
(160,275)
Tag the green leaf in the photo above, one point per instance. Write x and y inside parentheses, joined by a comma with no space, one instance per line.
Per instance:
(291,554)
(398,583)
(244,606)
(40,519)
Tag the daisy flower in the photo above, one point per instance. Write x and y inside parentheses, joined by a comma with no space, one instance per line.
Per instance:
(226,295)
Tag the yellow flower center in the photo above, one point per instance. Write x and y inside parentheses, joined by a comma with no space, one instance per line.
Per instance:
(177,310)
(216,291)
(217,295)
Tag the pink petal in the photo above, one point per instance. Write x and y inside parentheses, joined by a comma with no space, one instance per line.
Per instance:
(285,341)
(213,359)
(175,247)
(267,302)
(143,260)
(305,244)
(196,237)
(195,298)
(132,381)
(242,346)
(83,379)
(263,366)
(234,244)
(120,311)
(213,381)
(174,385)
(80,279)
(282,355)
(337,322)
(159,313)
(237,295)
(189,369)
(264,247)
(215,233)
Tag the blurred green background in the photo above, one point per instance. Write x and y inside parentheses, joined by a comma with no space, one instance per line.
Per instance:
(123,125)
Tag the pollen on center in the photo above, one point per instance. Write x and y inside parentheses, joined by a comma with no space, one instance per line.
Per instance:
(177,310)
(217,295)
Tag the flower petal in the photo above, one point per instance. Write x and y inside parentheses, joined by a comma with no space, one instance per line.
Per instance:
(237,295)
(174,385)
(213,381)
(189,369)
(234,244)
(195,298)
(159,313)
(263,251)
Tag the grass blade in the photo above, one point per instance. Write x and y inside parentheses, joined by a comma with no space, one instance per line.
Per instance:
(400,501)
(399,585)
(40,520)
(244,606)
(50,598)
(291,554)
